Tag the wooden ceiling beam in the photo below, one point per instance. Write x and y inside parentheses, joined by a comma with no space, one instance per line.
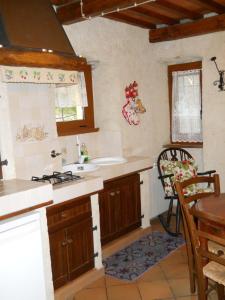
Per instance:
(160,18)
(157,17)
(71,13)
(175,32)
(128,19)
(210,5)
(190,14)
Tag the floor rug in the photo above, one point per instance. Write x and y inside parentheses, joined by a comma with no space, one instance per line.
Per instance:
(132,261)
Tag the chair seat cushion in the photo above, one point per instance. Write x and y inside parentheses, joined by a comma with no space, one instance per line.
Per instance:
(181,170)
(215,272)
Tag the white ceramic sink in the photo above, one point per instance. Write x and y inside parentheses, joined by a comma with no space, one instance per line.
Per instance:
(106,161)
(79,168)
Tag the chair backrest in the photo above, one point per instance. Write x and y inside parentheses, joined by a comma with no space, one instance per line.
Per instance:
(191,224)
(171,154)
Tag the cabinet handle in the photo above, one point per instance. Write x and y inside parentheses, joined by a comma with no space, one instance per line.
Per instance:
(118,192)
(63,214)
(69,241)
(112,194)
(64,243)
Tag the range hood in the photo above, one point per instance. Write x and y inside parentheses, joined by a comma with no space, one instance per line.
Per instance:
(31,35)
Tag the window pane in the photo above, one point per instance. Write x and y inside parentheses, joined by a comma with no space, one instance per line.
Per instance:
(186,106)
(67,103)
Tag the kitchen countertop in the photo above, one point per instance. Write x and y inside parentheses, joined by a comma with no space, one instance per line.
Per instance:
(93,181)
(133,164)
(18,196)
(74,189)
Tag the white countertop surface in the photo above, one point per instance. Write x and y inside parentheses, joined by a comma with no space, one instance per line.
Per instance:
(133,164)
(19,194)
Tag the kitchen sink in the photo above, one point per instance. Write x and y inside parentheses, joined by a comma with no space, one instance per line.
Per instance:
(79,168)
(111,160)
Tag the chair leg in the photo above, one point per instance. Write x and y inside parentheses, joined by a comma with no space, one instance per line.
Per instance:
(166,220)
(178,217)
(201,288)
(220,291)
(191,268)
(170,212)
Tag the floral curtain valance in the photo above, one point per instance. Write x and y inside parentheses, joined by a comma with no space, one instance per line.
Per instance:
(37,75)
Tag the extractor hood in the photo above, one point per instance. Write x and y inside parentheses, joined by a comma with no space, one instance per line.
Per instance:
(31,35)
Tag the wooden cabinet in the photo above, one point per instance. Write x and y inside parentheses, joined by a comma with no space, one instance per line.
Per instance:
(120,207)
(71,239)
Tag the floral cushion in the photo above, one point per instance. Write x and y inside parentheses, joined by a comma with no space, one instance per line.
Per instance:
(181,170)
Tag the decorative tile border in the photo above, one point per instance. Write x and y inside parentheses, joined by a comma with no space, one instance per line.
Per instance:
(37,75)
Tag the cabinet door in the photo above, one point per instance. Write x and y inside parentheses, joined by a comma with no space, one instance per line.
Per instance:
(58,252)
(130,202)
(110,212)
(120,207)
(80,248)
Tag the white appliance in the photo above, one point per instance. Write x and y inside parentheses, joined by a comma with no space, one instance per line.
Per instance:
(21,259)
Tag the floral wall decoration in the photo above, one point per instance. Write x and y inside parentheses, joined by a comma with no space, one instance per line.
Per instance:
(29,133)
(133,106)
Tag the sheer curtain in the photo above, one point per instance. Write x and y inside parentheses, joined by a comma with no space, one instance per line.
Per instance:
(72,95)
(186,106)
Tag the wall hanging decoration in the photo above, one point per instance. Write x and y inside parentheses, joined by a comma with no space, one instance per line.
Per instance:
(219,82)
(31,133)
(133,105)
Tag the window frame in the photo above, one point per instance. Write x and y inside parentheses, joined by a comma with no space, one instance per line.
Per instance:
(182,67)
(86,125)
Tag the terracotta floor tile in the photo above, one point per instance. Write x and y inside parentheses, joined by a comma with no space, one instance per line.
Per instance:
(97,284)
(122,292)
(155,290)
(91,294)
(173,258)
(173,271)
(112,281)
(155,273)
(180,287)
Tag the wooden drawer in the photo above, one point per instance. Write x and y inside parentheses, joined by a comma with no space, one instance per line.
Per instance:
(73,210)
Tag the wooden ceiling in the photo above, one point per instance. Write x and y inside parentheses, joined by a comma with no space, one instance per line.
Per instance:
(166,19)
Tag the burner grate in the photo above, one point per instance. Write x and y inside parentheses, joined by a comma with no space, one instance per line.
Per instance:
(57,177)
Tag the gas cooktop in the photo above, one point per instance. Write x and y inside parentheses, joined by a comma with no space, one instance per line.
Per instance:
(57,177)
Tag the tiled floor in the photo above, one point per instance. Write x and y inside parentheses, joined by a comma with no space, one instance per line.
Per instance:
(166,280)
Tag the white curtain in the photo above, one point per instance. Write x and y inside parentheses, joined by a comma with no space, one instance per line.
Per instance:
(72,95)
(186,106)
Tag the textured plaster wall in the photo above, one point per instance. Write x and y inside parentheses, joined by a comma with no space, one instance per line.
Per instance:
(203,47)
(124,55)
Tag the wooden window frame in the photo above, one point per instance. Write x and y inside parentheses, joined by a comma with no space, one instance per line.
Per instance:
(182,67)
(86,125)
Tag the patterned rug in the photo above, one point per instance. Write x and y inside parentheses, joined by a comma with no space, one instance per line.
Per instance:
(132,261)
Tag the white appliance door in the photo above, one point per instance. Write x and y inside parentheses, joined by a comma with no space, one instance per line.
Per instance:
(21,259)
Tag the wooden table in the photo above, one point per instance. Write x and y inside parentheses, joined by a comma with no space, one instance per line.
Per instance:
(212,210)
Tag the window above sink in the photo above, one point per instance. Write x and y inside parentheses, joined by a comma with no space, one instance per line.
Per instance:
(74,109)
